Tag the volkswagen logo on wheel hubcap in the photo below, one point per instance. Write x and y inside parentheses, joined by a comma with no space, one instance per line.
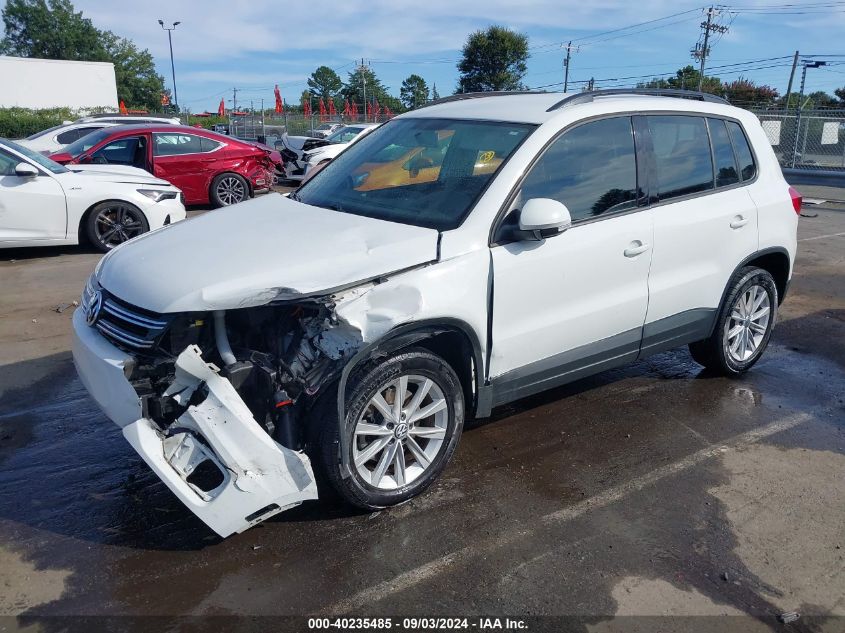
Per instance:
(92,312)
(401,430)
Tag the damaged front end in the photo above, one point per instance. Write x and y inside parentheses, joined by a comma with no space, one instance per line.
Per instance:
(225,398)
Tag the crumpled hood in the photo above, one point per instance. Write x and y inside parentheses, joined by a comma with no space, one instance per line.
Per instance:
(252,253)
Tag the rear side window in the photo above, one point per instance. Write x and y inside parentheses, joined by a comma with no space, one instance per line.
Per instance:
(682,153)
(592,169)
(176,144)
(71,135)
(209,145)
(723,153)
(747,168)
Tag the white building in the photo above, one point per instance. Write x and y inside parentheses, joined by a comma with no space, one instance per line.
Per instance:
(50,83)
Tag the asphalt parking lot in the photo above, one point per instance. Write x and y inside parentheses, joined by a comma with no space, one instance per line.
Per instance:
(652,490)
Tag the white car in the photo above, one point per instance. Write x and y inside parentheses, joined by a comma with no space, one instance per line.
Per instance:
(338,141)
(325,129)
(43,203)
(464,255)
(56,138)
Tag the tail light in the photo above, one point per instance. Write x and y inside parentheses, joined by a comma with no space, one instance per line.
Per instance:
(797,198)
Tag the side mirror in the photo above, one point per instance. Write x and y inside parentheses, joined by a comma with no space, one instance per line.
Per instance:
(544,217)
(25,170)
(61,157)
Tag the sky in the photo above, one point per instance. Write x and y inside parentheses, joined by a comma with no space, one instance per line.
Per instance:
(253,45)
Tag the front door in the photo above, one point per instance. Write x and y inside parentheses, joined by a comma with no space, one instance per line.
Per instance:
(132,151)
(574,303)
(31,208)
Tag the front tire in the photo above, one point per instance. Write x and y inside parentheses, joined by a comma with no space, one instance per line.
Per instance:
(113,222)
(405,417)
(744,324)
(228,189)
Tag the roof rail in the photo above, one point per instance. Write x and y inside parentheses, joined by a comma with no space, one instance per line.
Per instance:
(587,97)
(478,95)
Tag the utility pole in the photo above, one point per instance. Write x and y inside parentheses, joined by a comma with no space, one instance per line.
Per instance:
(362,69)
(806,63)
(702,51)
(234,99)
(791,77)
(172,66)
(566,65)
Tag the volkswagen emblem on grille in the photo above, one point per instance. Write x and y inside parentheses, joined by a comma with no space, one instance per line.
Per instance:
(92,312)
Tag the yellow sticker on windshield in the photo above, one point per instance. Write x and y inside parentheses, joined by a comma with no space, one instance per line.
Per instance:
(486,157)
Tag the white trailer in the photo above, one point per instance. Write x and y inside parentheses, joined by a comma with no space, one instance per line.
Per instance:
(51,83)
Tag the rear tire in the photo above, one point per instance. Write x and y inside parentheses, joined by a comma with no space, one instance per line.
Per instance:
(395,452)
(744,324)
(228,189)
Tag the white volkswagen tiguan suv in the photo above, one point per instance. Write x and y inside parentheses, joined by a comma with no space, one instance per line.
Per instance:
(464,255)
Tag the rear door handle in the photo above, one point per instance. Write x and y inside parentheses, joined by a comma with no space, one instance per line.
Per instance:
(636,248)
(738,222)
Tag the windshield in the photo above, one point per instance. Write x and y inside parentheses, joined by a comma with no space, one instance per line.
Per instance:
(35,157)
(425,172)
(344,135)
(85,143)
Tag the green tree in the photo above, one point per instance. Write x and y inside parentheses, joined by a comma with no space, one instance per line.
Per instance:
(746,93)
(52,29)
(840,94)
(324,83)
(49,29)
(686,78)
(493,59)
(353,90)
(414,91)
(434,94)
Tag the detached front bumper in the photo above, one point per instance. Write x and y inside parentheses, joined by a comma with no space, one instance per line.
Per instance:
(215,457)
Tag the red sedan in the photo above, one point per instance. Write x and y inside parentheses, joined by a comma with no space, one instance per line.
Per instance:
(207,167)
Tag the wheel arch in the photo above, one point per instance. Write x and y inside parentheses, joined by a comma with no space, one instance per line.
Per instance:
(452,339)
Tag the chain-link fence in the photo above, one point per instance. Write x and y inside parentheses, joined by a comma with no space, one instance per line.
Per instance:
(263,128)
(809,139)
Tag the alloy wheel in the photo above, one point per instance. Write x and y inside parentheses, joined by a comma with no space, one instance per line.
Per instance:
(231,190)
(399,433)
(748,323)
(116,224)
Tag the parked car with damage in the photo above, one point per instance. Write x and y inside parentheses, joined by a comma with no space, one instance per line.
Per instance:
(208,167)
(325,129)
(343,335)
(43,203)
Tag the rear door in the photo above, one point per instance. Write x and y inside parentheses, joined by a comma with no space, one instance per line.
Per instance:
(186,161)
(31,208)
(705,224)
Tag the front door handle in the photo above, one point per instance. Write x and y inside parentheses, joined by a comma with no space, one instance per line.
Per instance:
(636,248)
(738,222)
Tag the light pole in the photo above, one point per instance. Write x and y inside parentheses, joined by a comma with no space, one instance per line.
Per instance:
(172,66)
(806,64)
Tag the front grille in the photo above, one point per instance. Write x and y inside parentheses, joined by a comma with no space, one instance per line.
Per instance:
(128,326)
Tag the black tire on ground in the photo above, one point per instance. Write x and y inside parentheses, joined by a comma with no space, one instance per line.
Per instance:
(715,352)
(363,386)
(113,222)
(228,189)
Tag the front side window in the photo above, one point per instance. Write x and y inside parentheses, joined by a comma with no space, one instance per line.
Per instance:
(723,153)
(682,152)
(177,144)
(125,151)
(37,158)
(747,168)
(592,169)
(425,172)
(8,162)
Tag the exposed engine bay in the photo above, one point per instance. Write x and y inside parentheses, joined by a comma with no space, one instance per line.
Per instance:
(277,357)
